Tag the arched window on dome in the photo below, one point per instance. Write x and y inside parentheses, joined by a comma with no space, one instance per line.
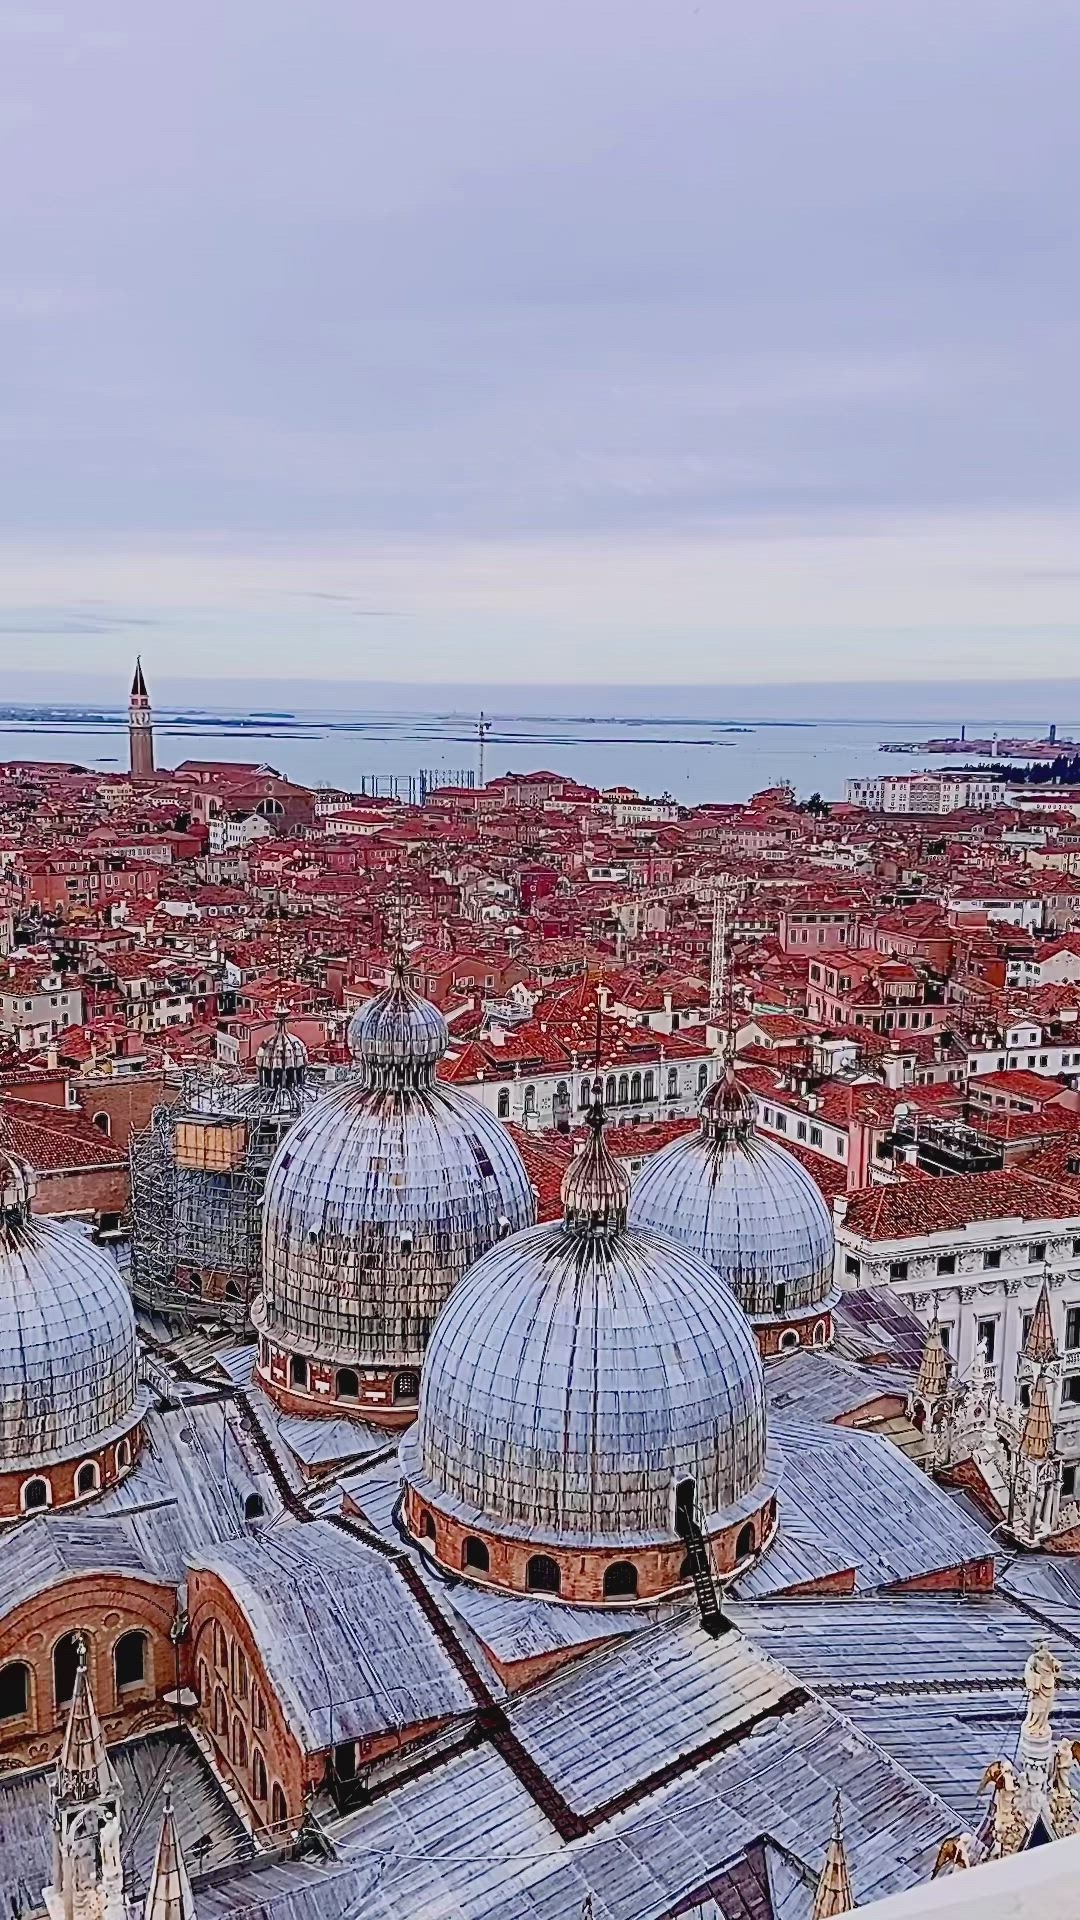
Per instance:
(745,1543)
(406,1386)
(504,1103)
(258,1775)
(820,1333)
(635,1089)
(648,1089)
(702,1078)
(14,1691)
(279,1812)
(129,1662)
(542,1574)
(427,1525)
(298,1371)
(254,1507)
(35,1494)
(673,1083)
(65,1666)
(123,1455)
(87,1480)
(789,1340)
(685,1498)
(620,1581)
(348,1383)
(232,1291)
(475,1554)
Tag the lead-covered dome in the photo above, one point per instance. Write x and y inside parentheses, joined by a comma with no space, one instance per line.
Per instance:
(382,1196)
(68,1352)
(746,1206)
(583,1380)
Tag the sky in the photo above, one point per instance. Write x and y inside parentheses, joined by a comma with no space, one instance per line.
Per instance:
(597,341)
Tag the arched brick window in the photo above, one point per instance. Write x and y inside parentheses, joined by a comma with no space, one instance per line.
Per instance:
(348,1384)
(620,1580)
(298,1371)
(129,1662)
(407,1386)
(35,1494)
(240,1673)
(103,1124)
(258,1775)
(221,1713)
(475,1554)
(123,1455)
(820,1333)
(14,1691)
(427,1525)
(65,1665)
(221,1646)
(542,1574)
(87,1479)
(279,1812)
(745,1542)
(258,1709)
(788,1340)
(239,1744)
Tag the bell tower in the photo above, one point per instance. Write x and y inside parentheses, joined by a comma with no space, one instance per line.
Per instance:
(140,728)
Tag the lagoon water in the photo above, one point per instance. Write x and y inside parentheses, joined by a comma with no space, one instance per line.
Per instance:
(696,744)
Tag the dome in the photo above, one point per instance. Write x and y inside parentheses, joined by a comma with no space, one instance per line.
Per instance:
(398,1033)
(381,1197)
(746,1206)
(582,1373)
(68,1351)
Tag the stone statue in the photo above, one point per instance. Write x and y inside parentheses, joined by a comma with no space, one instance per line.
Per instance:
(1009,1824)
(954,1854)
(1064,1813)
(1041,1676)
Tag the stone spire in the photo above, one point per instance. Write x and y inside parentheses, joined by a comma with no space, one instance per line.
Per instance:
(88,1872)
(1040,1348)
(834,1895)
(170,1896)
(84,1771)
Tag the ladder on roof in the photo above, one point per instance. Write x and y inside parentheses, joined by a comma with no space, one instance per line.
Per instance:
(700,1567)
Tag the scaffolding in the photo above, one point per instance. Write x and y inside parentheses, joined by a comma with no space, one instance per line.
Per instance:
(197,1178)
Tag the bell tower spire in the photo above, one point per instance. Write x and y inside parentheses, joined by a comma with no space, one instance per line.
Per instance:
(140,728)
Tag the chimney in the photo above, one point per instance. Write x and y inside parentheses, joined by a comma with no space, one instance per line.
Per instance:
(840,1207)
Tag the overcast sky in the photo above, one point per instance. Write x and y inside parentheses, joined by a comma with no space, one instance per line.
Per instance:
(541,340)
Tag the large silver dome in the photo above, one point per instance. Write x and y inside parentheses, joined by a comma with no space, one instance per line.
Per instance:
(68,1351)
(580,1373)
(745,1206)
(382,1196)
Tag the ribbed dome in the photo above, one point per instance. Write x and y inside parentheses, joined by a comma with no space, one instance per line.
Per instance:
(397,1035)
(382,1196)
(745,1206)
(578,1374)
(68,1352)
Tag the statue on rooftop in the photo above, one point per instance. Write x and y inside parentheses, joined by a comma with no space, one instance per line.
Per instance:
(1041,1676)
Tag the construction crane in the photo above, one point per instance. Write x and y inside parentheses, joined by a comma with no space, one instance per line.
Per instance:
(720,892)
